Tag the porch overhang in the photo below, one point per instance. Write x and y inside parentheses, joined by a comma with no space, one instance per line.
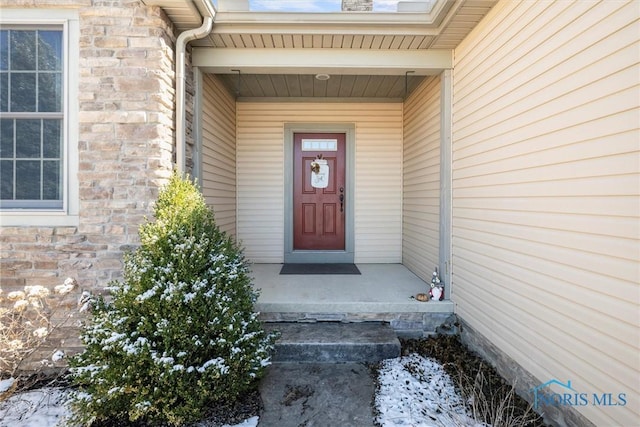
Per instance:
(329,61)
(185,15)
(443,27)
(418,23)
(369,56)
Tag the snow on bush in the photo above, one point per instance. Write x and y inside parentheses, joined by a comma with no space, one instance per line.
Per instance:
(179,333)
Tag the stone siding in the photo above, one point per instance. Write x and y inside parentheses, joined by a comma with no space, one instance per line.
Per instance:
(357,5)
(126,139)
(522,381)
(44,3)
(406,325)
(126,126)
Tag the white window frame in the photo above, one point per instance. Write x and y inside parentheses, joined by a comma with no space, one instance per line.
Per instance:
(68,215)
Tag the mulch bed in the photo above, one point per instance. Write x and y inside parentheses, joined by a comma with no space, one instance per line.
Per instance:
(249,405)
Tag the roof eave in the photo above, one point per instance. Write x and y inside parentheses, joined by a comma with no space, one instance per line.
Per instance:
(184,14)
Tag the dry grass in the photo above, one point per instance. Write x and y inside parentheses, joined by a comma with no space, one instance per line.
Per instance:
(27,319)
(497,407)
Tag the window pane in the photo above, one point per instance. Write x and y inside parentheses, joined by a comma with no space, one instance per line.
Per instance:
(32,146)
(51,139)
(49,92)
(50,50)
(51,180)
(4,50)
(4,92)
(23,50)
(23,92)
(6,138)
(6,180)
(27,139)
(27,180)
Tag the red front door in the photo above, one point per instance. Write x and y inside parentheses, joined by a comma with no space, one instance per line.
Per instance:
(318,193)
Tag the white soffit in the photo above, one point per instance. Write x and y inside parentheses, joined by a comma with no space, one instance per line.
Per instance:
(183,13)
(313,61)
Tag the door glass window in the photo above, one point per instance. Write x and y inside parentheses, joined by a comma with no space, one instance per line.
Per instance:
(319,145)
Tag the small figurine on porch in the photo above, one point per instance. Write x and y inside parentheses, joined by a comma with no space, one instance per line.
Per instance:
(437,286)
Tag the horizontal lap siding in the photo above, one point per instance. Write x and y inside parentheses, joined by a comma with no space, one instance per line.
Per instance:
(219,152)
(546,192)
(421,183)
(378,175)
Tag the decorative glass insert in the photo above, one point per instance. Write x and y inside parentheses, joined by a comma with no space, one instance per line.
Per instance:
(319,145)
(31,118)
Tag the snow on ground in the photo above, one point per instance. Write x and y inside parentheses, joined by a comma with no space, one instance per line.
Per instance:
(414,392)
(6,384)
(44,407)
(250,422)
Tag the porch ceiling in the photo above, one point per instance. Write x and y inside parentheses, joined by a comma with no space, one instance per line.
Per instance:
(301,86)
(353,73)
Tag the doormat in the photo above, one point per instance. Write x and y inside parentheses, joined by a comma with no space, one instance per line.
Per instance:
(319,269)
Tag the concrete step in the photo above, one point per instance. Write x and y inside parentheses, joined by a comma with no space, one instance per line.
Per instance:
(331,342)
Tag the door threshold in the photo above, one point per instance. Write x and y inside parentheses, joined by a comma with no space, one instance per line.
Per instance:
(318,257)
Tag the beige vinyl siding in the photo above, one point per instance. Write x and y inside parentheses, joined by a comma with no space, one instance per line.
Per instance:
(219,152)
(421,180)
(378,175)
(546,208)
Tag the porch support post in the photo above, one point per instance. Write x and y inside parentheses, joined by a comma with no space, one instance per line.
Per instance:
(196,173)
(446,103)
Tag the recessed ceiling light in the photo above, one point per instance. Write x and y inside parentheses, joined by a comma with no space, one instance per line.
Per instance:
(322,77)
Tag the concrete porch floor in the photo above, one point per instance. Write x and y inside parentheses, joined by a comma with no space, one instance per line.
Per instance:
(381,293)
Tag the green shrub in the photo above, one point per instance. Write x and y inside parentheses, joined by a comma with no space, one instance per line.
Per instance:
(179,333)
